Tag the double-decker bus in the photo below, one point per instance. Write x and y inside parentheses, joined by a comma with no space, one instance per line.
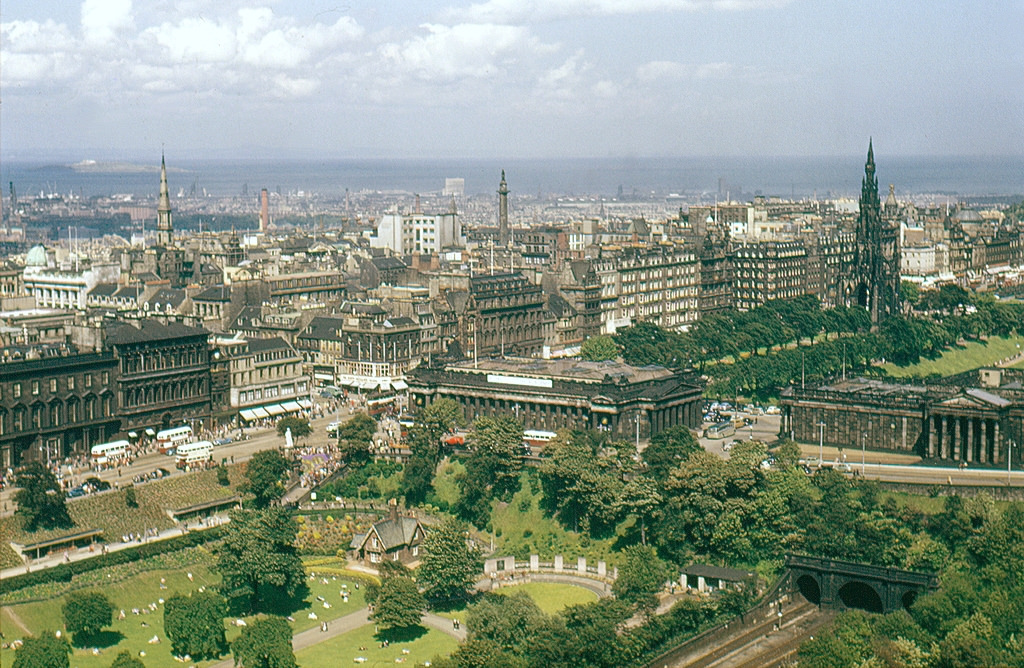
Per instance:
(169,439)
(108,452)
(536,438)
(191,454)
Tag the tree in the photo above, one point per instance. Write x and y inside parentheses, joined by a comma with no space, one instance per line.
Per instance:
(578,484)
(492,469)
(479,652)
(129,497)
(449,566)
(508,621)
(43,651)
(667,449)
(399,603)
(787,455)
(126,660)
(195,624)
(299,426)
(258,559)
(641,498)
(599,349)
(223,479)
(641,577)
(355,438)
(264,477)
(432,423)
(40,500)
(86,613)
(266,643)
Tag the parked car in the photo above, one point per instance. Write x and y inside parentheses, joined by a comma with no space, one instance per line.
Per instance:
(75,492)
(222,441)
(97,484)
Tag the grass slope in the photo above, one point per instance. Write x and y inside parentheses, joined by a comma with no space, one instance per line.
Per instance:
(343,649)
(963,358)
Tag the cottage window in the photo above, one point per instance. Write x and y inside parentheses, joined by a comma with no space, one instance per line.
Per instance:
(374,557)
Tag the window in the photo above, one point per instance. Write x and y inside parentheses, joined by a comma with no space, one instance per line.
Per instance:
(106,378)
(16,390)
(88,380)
(71,382)
(35,387)
(53,386)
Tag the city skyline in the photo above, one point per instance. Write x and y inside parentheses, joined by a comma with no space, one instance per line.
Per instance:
(500,79)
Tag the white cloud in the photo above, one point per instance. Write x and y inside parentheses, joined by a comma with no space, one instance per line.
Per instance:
(463,50)
(104,20)
(528,11)
(36,52)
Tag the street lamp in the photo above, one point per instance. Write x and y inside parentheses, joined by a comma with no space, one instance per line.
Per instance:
(636,419)
(821,442)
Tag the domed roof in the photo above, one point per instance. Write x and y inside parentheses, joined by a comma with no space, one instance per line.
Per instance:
(36,257)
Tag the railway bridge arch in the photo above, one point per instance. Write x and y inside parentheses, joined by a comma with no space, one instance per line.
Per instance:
(836,585)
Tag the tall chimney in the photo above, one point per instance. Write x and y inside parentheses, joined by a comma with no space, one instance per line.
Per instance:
(264,210)
(393,510)
(418,210)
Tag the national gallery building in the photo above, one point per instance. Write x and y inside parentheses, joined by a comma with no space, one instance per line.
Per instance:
(972,417)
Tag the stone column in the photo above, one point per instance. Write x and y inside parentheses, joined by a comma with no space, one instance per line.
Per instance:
(943,439)
(534,562)
(995,442)
(932,440)
(983,450)
(969,455)
(558,563)
(957,444)
(581,565)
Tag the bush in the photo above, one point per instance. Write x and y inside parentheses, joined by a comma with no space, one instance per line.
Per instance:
(129,497)
(222,476)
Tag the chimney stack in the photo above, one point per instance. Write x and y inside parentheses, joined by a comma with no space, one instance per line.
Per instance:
(393,510)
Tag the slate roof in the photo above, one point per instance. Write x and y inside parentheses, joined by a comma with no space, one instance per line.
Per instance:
(172,296)
(119,333)
(717,572)
(215,293)
(388,263)
(559,306)
(272,343)
(392,533)
(103,290)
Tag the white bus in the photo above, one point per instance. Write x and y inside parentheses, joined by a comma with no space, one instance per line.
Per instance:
(191,454)
(536,438)
(169,439)
(106,452)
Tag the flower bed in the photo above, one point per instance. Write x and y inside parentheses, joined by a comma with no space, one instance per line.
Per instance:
(326,534)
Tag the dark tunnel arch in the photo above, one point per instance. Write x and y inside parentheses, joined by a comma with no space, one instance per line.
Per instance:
(809,589)
(908,599)
(862,596)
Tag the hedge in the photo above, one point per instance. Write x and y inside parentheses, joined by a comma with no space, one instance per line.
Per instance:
(64,572)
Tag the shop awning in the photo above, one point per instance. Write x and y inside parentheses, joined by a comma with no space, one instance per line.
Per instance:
(323,376)
(260,412)
(385,385)
(150,433)
(400,385)
(132,434)
(248,414)
(305,403)
(275,409)
(291,406)
(366,384)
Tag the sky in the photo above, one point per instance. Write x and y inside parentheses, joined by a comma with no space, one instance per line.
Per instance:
(120,79)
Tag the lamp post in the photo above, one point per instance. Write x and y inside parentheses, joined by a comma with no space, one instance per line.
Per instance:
(636,419)
(821,442)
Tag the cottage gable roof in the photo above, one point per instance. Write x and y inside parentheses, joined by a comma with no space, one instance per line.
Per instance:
(392,533)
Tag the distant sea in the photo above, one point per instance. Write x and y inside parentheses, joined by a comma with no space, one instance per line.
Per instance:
(784,177)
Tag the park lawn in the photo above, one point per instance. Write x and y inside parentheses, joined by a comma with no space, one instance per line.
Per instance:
(343,649)
(552,597)
(971,355)
(140,590)
(522,528)
(1018,365)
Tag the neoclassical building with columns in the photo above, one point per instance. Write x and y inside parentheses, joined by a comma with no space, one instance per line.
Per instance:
(971,418)
(565,394)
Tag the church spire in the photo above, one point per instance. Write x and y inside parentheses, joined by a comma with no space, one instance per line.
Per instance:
(164,226)
(503,232)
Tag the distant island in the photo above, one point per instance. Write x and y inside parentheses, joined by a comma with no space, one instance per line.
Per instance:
(97,167)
